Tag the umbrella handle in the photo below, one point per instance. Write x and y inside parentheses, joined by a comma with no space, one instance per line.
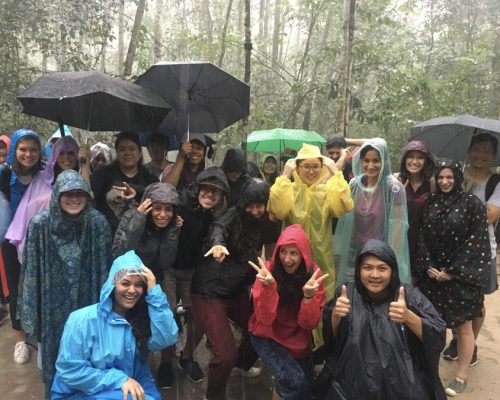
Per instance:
(61,128)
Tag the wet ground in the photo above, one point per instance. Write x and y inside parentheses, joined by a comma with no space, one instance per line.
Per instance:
(22,382)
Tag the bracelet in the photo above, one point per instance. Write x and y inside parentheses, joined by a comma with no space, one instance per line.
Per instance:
(308,298)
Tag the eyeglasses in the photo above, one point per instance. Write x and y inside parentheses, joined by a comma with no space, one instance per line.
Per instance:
(310,167)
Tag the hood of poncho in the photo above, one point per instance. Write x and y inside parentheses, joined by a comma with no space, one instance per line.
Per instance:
(416,145)
(379,145)
(161,193)
(235,161)
(129,261)
(382,251)
(66,181)
(67,145)
(256,191)
(294,235)
(16,137)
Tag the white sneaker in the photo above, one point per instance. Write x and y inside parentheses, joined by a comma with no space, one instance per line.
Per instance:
(21,353)
(251,373)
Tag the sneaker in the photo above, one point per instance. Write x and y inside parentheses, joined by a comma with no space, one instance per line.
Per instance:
(251,373)
(21,353)
(451,353)
(456,387)
(165,376)
(192,370)
(474,360)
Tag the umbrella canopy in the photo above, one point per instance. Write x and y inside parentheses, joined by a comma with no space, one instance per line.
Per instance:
(93,101)
(450,136)
(278,139)
(204,98)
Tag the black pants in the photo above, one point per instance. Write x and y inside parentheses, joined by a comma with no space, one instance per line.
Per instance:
(12,271)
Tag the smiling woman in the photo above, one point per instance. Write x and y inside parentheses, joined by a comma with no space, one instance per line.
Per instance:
(131,319)
(380,211)
(454,259)
(66,259)
(312,203)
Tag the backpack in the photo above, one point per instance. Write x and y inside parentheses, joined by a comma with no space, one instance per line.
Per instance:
(5,174)
(490,188)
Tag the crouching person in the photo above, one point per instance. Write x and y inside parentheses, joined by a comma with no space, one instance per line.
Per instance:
(385,337)
(288,295)
(104,347)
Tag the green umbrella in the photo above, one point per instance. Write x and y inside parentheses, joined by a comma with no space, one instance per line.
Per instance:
(278,139)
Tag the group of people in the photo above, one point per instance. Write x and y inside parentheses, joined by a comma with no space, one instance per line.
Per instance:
(97,254)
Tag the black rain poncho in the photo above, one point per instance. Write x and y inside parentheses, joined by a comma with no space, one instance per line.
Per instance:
(374,358)
(454,238)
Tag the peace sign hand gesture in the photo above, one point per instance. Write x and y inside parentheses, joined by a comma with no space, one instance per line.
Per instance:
(312,284)
(263,274)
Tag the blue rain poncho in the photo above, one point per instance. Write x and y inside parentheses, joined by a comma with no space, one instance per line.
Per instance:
(380,212)
(66,262)
(98,350)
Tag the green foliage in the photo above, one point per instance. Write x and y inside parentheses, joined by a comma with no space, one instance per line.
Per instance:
(413,60)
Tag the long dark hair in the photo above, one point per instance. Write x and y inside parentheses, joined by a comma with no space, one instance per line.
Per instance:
(138,318)
(290,285)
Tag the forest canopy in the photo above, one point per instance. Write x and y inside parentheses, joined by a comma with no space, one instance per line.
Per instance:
(410,60)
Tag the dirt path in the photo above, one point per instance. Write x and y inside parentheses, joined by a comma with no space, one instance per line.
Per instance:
(22,382)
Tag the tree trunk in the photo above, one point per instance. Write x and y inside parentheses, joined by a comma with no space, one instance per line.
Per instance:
(224,34)
(121,29)
(276,33)
(246,79)
(298,98)
(102,59)
(344,97)
(134,38)
(206,22)
(240,6)
(158,33)
(310,99)
(266,26)
(495,66)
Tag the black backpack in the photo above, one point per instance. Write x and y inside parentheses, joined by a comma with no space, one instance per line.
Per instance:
(490,188)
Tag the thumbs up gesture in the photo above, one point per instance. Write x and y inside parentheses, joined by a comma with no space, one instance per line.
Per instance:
(342,306)
(397,309)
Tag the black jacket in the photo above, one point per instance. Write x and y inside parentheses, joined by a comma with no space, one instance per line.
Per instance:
(157,247)
(243,236)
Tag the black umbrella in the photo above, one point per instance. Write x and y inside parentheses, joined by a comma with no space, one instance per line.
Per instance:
(204,98)
(93,101)
(450,136)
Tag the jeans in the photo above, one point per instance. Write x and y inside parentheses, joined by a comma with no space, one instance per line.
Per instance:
(293,377)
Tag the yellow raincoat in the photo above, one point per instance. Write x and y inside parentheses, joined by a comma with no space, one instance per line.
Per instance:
(313,207)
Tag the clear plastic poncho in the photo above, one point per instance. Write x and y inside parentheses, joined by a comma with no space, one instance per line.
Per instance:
(379,212)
